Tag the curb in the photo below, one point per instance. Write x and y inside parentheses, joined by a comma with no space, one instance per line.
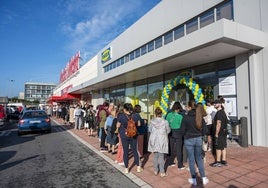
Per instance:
(130,175)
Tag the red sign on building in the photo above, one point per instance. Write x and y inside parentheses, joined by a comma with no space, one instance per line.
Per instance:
(71,67)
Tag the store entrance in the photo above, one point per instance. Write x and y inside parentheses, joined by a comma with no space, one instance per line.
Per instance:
(183,94)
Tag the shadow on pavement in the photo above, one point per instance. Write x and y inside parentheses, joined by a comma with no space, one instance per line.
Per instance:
(11,164)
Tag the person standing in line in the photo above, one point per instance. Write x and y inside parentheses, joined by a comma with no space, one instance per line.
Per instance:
(141,130)
(54,110)
(78,113)
(91,121)
(176,138)
(211,111)
(59,111)
(119,156)
(111,138)
(64,113)
(219,134)
(193,128)
(158,141)
(71,115)
(86,118)
(102,115)
(122,122)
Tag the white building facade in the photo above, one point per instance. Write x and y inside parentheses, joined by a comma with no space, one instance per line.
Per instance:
(222,45)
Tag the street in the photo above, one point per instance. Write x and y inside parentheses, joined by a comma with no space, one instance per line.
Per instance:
(53,160)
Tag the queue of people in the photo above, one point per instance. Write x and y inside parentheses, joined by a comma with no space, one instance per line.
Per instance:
(191,128)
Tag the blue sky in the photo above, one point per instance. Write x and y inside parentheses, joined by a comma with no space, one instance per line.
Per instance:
(38,37)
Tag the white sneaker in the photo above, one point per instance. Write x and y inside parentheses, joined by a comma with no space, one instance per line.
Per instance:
(205,180)
(192,181)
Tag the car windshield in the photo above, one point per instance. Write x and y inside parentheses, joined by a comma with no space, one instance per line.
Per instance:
(34,114)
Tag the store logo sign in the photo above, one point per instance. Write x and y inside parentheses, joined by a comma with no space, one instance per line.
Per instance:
(106,55)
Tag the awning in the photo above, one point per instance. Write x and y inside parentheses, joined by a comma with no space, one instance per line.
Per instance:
(65,97)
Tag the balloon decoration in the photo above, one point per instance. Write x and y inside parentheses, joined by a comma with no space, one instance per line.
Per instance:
(192,85)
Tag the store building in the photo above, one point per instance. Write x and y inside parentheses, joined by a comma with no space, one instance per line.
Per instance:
(36,91)
(221,44)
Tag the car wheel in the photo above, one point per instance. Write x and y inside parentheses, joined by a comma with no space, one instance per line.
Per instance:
(49,131)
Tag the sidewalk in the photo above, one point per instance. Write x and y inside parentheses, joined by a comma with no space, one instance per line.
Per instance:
(247,167)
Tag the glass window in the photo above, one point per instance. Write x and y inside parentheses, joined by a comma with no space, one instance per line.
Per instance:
(207,18)
(179,32)
(150,46)
(130,93)
(118,63)
(191,26)
(143,49)
(141,98)
(114,64)
(168,37)
(158,42)
(225,11)
(127,58)
(137,53)
(131,56)
(122,61)
(154,95)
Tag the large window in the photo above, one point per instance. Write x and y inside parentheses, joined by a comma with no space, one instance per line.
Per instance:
(150,46)
(207,18)
(130,93)
(168,37)
(225,11)
(191,26)
(141,97)
(143,49)
(131,56)
(137,53)
(158,42)
(127,58)
(179,32)
(154,97)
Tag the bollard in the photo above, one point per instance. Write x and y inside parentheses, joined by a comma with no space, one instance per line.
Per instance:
(244,132)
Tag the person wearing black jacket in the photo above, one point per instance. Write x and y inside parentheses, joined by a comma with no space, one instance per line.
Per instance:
(193,128)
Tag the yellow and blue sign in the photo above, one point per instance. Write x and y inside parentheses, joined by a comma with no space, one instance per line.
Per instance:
(106,55)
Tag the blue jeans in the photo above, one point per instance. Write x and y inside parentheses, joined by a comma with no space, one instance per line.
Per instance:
(194,150)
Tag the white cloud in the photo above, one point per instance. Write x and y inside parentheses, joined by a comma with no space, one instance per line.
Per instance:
(97,23)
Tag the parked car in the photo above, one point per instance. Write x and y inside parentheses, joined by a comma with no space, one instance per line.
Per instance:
(33,121)
(13,113)
(2,114)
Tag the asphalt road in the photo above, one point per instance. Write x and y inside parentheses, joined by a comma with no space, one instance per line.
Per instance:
(53,160)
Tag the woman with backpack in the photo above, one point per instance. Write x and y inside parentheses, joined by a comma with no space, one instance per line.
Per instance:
(124,120)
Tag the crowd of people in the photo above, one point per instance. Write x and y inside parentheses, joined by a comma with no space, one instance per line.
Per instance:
(192,128)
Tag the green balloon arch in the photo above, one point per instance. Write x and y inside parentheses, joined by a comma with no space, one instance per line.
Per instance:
(192,85)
